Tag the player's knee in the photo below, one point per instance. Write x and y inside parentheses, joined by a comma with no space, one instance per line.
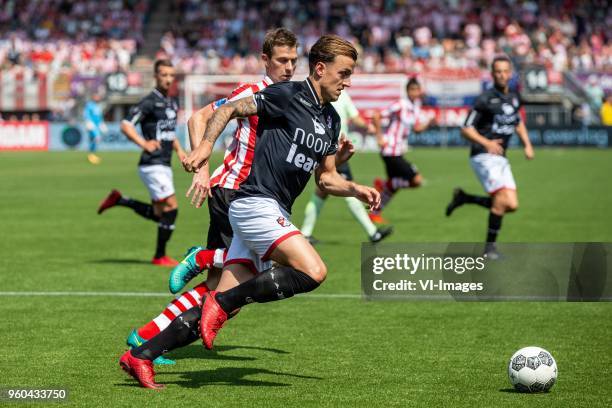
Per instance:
(316,270)
(416,181)
(512,205)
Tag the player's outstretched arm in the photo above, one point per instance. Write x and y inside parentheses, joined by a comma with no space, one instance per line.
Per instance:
(196,125)
(200,183)
(521,131)
(330,182)
(492,146)
(220,118)
(130,132)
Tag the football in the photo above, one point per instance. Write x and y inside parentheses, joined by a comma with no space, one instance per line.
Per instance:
(532,369)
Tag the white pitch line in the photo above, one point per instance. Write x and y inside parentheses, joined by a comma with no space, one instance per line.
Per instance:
(160,294)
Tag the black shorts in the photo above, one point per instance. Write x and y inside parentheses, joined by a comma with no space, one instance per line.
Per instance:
(219,231)
(345,171)
(398,167)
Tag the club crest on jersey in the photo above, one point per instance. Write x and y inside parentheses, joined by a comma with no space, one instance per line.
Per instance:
(318,127)
(170,113)
(283,222)
(507,108)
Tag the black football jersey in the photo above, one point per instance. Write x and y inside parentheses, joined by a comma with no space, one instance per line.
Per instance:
(294,133)
(156,114)
(495,115)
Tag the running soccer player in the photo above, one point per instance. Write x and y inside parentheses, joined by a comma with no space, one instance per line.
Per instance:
(348,113)
(404,116)
(298,133)
(489,126)
(156,114)
(279,55)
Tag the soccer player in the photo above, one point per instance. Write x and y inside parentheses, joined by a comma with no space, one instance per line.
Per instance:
(404,117)
(156,114)
(298,134)
(489,126)
(348,113)
(279,56)
(94,123)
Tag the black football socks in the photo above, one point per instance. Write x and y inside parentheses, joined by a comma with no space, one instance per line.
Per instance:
(143,209)
(495,222)
(164,231)
(482,201)
(184,330)
(274,284)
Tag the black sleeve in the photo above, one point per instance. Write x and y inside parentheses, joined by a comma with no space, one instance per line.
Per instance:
(139,111)
(476,113)
(273,101)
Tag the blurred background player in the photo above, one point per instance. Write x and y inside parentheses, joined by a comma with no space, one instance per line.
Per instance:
(279,56)
(404,117)
(489,126)
(94,123)
(156,114)
(348,114)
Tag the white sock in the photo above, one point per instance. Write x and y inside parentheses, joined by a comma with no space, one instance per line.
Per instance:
(311,213)
(361,215)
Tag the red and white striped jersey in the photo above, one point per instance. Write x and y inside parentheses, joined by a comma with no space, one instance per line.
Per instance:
(401,116)
(239,154)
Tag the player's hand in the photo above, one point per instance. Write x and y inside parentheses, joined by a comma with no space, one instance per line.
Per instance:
(368,195)
(529,153)
(495,146)
(381,142)
(151,145)
(200,188)
(346,150)
(197,158)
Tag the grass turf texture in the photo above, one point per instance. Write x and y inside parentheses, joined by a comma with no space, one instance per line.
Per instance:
(311,350)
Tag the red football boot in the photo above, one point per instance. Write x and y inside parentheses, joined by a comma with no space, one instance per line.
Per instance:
(213,319)
(377,218)
(141,370)
(165,261)
(110,201)
(379,184)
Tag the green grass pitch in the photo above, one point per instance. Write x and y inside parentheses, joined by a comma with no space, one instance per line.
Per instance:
(328,348)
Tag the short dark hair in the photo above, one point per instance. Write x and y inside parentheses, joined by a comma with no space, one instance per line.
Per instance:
(278,37)
(161,63)
(327,47)
(412,82)
(501,58)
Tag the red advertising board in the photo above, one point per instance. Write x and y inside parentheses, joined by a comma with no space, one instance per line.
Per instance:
(24,135)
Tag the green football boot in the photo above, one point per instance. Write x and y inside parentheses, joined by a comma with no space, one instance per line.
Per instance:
(185,271)
(134,340)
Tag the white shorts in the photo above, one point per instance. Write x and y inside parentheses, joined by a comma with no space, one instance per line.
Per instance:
(493,171)
(158,180)
(259,226)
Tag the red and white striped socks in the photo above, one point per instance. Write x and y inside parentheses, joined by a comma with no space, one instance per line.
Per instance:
(185,301)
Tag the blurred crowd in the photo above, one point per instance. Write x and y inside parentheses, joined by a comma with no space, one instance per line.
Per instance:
(397,35)
(90,37)
(210,36)
(84,36)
